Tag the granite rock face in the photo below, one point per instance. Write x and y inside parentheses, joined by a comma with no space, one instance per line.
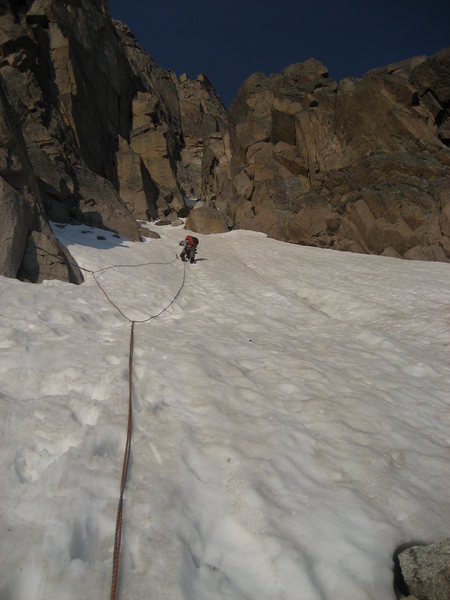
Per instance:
(110,136)
(205,219)
(174,122)
(362,165)
(203,121)
(57,105)
(28,248)
(14,227)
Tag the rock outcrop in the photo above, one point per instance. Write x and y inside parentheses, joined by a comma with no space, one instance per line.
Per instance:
(206,220)
(360,166)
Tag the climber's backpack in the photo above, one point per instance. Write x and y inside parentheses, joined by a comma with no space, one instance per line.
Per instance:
(192,241)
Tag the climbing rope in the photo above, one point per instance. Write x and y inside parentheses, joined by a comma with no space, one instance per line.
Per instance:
(130,266)
(126,460)
(94,273)
(127,451)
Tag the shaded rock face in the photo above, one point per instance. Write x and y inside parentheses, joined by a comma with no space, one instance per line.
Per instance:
(360,166)
(101,121)
(14,227)
(67,80)
(28,248)
(44,47)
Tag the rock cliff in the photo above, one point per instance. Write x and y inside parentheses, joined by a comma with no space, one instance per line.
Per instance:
(28,248)
(92,130)
(173,121)
(109,136)
(362,165)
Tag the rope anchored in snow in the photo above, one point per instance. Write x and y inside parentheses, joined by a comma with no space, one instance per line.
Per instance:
(126,460)
(127,451)
(126,457)
(94,273)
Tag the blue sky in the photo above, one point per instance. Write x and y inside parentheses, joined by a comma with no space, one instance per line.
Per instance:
(232,39)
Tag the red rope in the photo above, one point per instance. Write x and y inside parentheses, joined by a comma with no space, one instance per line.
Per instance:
(126,459)
(93,273)
(127,451)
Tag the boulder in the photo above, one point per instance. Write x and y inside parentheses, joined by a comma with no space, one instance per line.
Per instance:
(206,220)
(426,570)
(148,233)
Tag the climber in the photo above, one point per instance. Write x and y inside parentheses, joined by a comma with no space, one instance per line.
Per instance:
(189,244)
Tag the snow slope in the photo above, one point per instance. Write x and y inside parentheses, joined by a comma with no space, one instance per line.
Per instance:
(291,422)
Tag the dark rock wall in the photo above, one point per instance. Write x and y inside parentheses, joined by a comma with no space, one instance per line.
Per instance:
(28,248)
(102,122)
(66,109)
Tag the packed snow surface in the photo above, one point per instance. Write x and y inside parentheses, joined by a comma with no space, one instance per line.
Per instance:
(290,423)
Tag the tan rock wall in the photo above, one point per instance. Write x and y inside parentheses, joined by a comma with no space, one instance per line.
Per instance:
(359,166)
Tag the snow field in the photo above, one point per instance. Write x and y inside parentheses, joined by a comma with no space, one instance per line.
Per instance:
(291,422)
